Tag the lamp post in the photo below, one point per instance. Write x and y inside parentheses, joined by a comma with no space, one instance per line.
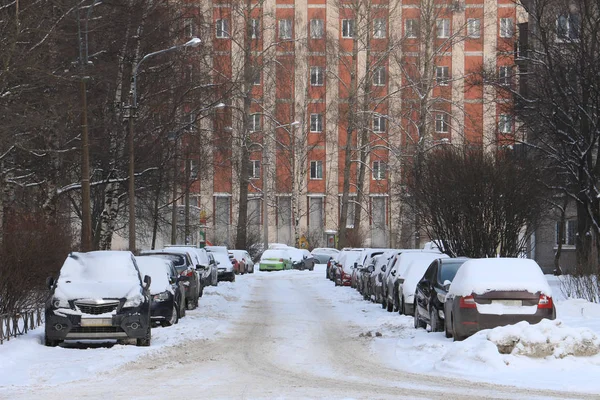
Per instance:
(266,186)
(194,42)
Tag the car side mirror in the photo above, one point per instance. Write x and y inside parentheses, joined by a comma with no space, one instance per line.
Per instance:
(393,273)
(147,281)
(49,282)
(446,285)
(172,280)
(383,269)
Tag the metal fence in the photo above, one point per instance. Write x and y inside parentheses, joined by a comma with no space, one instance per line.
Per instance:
(19,323)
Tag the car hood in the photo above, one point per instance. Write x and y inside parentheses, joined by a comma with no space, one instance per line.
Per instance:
(94,290)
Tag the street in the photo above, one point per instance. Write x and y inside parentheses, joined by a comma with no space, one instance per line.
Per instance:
(284,338)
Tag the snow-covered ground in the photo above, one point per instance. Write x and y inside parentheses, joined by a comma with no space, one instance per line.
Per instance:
(292,334)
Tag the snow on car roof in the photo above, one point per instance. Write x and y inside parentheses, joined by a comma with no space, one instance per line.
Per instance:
(217,249)
(198,254)
(413,274)
(325,250)
(486,274)
(274,253)
(98,274)
(158,270)
(407,258)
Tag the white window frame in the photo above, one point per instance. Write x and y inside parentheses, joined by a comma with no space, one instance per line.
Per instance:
(285,29)
(257,79)
(379,123)
(568,239)
(442,75)
(506,28)
(569,30)
(379,170)
(379,76)
(505,123)
(474,28)
(441,123)
(316,166)
(505,75)
(316,122)
(318,73)
(254,122)
(442,28)
(317,28)
(222,29)
(189,27)
(379,28)
(411,28)
(254,169)
(348,28)
(193,168)
(254,28)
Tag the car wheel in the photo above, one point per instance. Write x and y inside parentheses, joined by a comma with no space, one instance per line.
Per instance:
(182,310)
(50,342)
(455,336)
(417,318)
(447,332)
(174,319)
(384,304)
(189,304)
(401,306)
(201,291)
(145,341)
(390,307)
(434,320)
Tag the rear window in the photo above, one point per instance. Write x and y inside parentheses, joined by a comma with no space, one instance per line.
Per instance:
(178,260)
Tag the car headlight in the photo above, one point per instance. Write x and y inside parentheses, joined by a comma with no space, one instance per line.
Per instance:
(60,303)
(133,302)
(161,296)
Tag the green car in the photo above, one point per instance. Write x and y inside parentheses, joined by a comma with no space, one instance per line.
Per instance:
(275,260)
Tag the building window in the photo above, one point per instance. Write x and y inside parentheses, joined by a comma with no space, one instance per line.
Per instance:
(254,28)
(317,76)
(316,122)
(379,28)
(379,76)
(474,28)
(254,122)
(506,27)
(316,170)
(222,28)
(568,26)
(193,164)
(441,123)
(189,27)
(190,122)
(315,215)
(254,212)
(255,169)
(351,210)
(379,169)
(348,28)
(569,233)
(411,28)
(285,29)
(505,123)
(378,124)
(442,76)
(504,76)
(443,28)
(257,78)
(317,28)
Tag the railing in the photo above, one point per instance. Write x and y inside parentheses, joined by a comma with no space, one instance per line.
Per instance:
(20,322)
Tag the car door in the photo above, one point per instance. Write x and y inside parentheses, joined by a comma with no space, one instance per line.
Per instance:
(424,288)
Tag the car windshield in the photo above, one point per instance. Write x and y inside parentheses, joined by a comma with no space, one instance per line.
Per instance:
(448,271)
(178,260)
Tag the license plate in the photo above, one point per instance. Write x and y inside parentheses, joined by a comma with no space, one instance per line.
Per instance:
(509,303)
(96,322)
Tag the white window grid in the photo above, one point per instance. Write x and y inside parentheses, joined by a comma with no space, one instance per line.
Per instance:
(443,28)
(255,169)
(506,28)
(411,28)
(441,123)
(254,122)
(568,26)
(379,28)
(379,170)
(505,123)
(442,75)
(379,124)
(317,28)
(285,29)
(348,28)
(190,27)
(316,169)
(317,76)
(222,28)
(254,28)
(316,122)
(504,75)
(474,28)
(379,76)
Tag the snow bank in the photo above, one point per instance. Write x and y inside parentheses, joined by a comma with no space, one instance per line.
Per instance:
(484,275)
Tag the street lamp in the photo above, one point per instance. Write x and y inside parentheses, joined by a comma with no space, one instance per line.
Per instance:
(194,42)
(265,187)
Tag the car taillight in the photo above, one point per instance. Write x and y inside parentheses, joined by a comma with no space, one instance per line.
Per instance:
(545,301)
(467,302)
(281,260)
(189,273)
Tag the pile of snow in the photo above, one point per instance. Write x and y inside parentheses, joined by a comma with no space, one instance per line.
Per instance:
(545,339)
(483,275)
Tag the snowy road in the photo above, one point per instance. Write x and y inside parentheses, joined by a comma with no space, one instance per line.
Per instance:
(283,336)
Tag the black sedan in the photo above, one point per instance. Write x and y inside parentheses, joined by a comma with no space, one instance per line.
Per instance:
(431,292)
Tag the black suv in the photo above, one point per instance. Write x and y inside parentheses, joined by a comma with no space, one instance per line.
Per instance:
(98,295)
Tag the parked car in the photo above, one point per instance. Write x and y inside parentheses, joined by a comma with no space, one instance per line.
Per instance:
(323,254)
(346,262)
(224,265)
(491,292)
(164,290)
(431,291)
(375,279)
(187,272)
(98,295)
(207,270)
(396,269)
(174,277)
(243,257)
(301,258)
(409,276)
(275,260)
(239,268)
(361,274)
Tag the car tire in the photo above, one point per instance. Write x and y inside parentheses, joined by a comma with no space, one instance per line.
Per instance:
(390,307)
(182,310)
(145,341)
(434,321)
(417,319)
(455,336)
(446,330)
(401,306)
(174,318)
(50,342)
(201,291)
(383,305)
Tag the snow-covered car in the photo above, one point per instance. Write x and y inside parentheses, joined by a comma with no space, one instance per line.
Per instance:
(323,254)
(412,267)
(431,291)
(186,263)
(166,298)
(301,258)
(491,292)
(98,295)
(224,265)
(205,268)
(346,262)
(361,274)
(277,259)
(243,257)
(375,279)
